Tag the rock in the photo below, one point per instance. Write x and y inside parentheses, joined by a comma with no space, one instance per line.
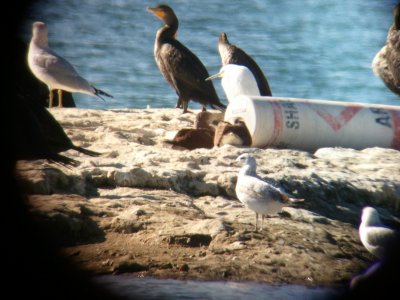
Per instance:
(190,240)
(304,215)
(125,266)
(38,178)
(144,207)
(128,221)
(67,218)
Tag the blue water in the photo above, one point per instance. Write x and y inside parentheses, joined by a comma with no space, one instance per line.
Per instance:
(318,49)
(148,288)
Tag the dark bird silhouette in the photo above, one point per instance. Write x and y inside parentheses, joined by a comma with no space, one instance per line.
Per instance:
(230,54)
(38,135)
(180,67)
(29,138)
(386,63)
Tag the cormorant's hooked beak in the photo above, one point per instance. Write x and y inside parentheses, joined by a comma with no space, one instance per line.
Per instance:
(218,75)
(155,11)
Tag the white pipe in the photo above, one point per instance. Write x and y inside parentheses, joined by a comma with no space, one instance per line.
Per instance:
(311,124)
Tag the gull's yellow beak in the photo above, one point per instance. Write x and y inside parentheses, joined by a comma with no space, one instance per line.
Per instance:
(218,75)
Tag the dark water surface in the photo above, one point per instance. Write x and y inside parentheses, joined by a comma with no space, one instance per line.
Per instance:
(150,288)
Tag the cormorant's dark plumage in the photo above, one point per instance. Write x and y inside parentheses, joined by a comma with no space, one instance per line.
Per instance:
(36,134)
(30,128)
(230,54)
(180,67)
(386,63)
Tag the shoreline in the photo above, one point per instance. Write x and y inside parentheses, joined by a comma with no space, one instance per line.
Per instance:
(150,210)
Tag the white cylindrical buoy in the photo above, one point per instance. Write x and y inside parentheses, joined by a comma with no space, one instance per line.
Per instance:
(311,124)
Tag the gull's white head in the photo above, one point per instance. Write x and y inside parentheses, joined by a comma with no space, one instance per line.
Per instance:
(40,33)
(248,162)
(370,216)
(237,80)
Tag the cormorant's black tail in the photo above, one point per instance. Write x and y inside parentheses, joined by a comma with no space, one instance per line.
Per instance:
(62,160)
(86,151)
(221,107)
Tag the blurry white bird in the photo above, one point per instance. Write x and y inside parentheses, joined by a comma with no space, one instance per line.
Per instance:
(236,80)
(257,194)
(56,72)
(375,237)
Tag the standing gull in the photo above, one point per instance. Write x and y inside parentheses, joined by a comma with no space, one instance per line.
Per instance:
(236,80)
(260,196)
(230,54)
(180,67)
(55,71)
(375,237)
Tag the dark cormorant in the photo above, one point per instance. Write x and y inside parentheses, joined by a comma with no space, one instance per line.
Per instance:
(386,63)
(180,67)
(29,138)
(38,135)
(230,54)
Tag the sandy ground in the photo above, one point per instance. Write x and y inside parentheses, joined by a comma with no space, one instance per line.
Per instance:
(145,208)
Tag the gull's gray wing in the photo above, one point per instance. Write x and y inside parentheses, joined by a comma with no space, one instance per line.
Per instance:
(256,188)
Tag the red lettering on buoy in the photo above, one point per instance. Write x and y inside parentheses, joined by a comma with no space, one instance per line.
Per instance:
(396,129)
(336,123)
(277,111)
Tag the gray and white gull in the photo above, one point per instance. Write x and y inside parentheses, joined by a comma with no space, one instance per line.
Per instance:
(53,70)
(257,194)
(376,237)
(236,80)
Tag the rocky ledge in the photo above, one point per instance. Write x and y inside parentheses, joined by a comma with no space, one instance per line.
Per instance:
(143,207)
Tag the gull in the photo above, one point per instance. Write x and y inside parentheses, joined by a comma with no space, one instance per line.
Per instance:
(236,80)
(375,237)
(53,70)
(259,195)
